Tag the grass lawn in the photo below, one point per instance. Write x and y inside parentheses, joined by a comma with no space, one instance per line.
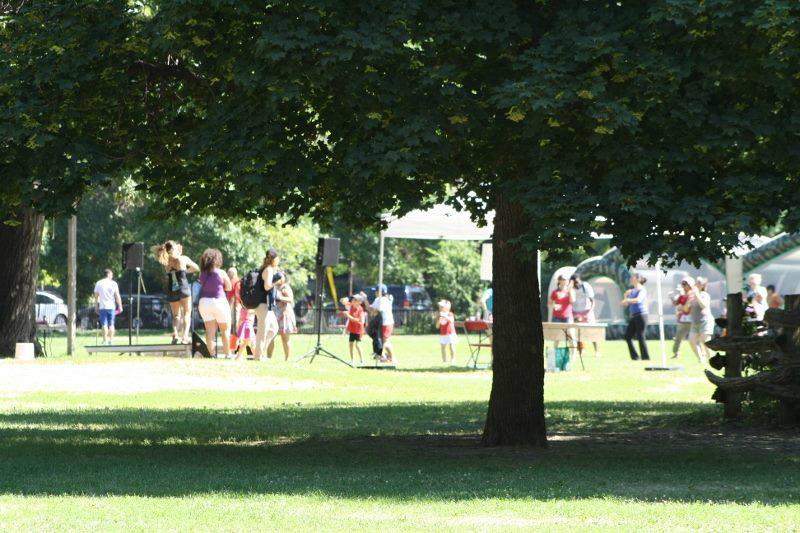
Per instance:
(146,443)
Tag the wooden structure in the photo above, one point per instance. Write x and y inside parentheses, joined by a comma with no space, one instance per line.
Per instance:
(174,350)
(779,356)
(575,334)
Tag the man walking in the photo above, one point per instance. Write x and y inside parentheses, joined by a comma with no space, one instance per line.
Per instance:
(108,301)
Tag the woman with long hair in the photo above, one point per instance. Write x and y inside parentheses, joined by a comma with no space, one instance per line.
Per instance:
(699,308)
(636,300)
(179,294)
(267,326)
(213,306)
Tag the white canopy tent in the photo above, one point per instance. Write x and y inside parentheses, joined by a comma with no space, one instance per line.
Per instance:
(440,222)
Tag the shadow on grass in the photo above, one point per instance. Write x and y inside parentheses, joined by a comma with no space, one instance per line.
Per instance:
(401,452)
(442,369)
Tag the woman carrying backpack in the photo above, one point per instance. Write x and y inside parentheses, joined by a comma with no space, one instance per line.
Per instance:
(267,326)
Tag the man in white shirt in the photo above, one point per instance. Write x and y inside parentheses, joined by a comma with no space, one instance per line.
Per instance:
(108,301)
(383,305)
(757,296)
(583,306)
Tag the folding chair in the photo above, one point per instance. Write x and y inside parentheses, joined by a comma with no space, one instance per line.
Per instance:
(478,334)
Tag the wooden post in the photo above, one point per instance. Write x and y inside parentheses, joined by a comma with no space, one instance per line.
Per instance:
(788,411)
(72,265)
(733,358)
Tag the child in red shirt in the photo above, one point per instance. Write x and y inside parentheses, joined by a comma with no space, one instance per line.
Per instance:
(355,325)
(447,330)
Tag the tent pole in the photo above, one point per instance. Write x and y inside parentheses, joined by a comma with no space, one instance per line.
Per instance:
(660,303)
(661,315)
(539,271)
(380,261)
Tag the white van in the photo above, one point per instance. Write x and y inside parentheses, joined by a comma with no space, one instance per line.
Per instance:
(50,309)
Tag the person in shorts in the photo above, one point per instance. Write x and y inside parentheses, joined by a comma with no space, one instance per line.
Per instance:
(681,302)
(213,306)
(108,302)
(177,267)
(383,305)
(355,325)
(447,330)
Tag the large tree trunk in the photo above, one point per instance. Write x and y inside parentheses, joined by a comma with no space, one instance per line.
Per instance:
(516,404)
(19,268)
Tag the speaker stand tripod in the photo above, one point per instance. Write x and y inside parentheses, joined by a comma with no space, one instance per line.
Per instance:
(318,350)
(140,288)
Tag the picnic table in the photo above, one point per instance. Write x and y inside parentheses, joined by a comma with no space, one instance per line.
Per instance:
(574,334)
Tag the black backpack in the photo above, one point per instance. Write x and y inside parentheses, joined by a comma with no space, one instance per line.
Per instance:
(252,291)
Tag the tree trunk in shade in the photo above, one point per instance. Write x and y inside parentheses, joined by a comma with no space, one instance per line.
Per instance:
(516,404)
(19,268)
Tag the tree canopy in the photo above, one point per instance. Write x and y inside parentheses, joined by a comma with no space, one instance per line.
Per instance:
(594,116)
(68,106)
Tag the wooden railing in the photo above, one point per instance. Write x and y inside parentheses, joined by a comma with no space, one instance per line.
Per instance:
(780,354)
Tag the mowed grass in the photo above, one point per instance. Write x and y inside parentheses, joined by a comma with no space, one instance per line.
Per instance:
(145,443)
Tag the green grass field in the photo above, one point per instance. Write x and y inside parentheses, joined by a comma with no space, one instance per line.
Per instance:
(148,443)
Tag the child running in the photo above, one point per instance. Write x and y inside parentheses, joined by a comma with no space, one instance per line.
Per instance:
(447,330)
(355,325)
(245,332)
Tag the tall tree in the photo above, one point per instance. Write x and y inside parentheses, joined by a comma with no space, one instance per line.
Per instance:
(671,125)
(65,120)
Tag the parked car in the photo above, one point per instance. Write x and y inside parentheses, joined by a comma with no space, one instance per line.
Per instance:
(154,314)
(50,309)
(406,300)
(411,297)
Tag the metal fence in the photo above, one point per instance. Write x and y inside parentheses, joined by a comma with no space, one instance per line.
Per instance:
(407,321)
(416,322)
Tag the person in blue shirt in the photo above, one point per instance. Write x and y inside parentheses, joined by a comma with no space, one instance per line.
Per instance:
(487,302)
(635,299)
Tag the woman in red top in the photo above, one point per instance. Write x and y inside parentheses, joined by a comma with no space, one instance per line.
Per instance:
(355,325)
(561,300)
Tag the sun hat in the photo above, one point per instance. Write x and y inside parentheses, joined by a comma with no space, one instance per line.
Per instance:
(687,279)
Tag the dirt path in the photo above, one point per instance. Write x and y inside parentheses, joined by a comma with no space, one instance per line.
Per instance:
(143,375)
